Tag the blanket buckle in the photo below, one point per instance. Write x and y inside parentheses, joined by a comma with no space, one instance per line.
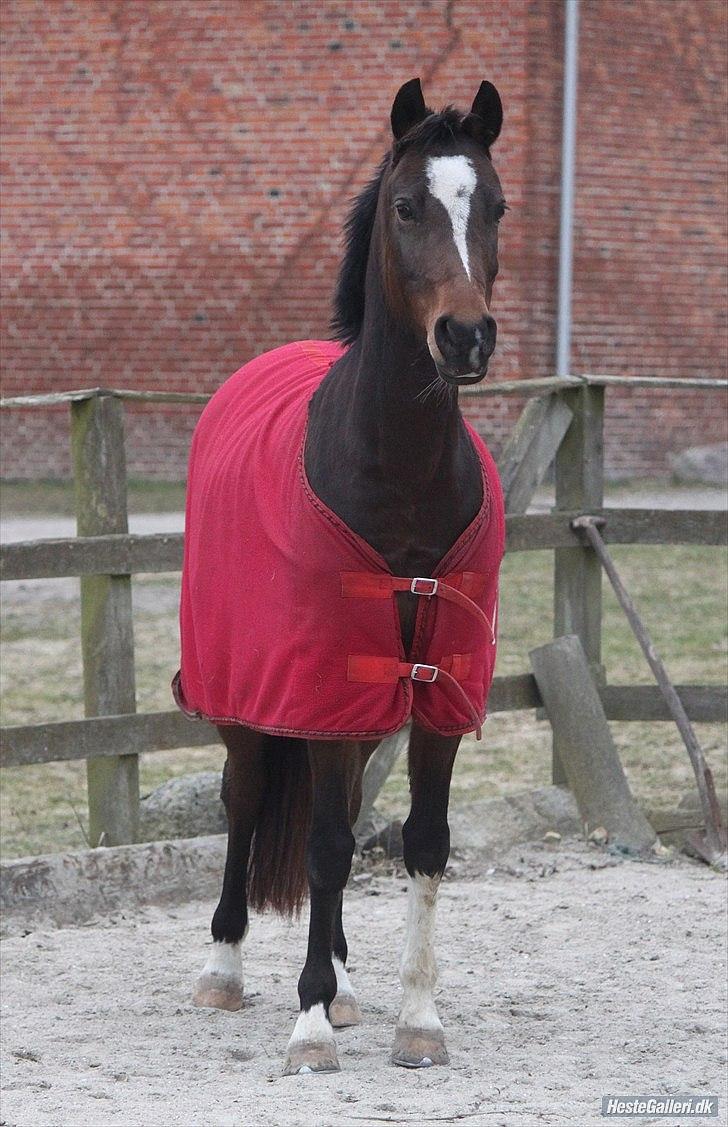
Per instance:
(429,589)
(424,673)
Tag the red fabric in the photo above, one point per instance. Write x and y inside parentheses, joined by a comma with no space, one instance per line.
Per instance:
(272,636)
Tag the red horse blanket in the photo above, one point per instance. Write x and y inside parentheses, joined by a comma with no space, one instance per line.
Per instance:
(288,618)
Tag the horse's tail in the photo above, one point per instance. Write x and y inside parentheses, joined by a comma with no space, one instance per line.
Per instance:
(277,876)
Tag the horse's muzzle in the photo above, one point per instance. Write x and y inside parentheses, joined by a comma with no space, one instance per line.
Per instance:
(465,348)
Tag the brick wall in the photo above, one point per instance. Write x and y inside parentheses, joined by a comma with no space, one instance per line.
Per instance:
(175,176)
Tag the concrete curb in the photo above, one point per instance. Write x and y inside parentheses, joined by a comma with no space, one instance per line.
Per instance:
(70,889)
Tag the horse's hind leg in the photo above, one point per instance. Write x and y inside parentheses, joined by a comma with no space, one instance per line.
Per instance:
(221,983)
(420,1038)
(335,770)
(344,1010)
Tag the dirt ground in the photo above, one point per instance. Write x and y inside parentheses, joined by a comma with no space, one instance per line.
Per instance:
(565,974)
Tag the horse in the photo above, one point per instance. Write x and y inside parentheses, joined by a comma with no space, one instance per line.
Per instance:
(392,482)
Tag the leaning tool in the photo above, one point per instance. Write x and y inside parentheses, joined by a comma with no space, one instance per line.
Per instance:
(712,846)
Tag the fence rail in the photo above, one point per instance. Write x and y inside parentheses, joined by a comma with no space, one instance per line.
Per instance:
(536,386)
(105,736)
(561,423)
(129,554)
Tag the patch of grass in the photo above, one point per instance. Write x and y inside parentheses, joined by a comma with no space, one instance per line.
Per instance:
(680,591)
(44,809)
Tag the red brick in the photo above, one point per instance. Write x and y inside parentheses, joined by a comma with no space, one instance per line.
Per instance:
(142,246)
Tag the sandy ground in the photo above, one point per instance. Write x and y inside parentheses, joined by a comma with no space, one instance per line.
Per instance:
(564,975)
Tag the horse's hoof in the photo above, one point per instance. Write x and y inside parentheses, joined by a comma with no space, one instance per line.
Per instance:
(311,1056)
(218,992)
(344,1011)
(419,1048)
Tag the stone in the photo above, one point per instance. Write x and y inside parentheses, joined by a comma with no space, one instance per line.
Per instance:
(388,838)
(189,806)
(492,825)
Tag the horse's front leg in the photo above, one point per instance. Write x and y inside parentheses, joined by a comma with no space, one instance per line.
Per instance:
(420,1038)
(335,773)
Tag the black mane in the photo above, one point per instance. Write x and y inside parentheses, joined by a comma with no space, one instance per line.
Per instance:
(435,129)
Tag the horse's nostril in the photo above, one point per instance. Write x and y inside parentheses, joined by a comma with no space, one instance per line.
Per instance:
(444,335)
(462,342)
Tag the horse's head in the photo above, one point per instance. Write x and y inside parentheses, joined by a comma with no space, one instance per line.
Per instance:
(438,210)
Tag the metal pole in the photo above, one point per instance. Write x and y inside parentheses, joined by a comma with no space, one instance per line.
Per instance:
(568,164)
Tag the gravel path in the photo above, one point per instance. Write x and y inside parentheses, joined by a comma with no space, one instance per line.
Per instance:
(563,976)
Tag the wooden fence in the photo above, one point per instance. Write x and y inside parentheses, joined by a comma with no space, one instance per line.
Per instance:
(562,422)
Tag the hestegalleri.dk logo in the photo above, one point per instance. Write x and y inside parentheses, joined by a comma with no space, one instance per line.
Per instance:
(624,1106)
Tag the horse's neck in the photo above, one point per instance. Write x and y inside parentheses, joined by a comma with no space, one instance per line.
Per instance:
(398,469)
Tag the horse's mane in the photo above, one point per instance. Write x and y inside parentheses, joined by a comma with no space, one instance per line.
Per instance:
(435,129)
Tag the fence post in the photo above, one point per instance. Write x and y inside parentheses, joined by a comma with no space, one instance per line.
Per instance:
(107,638)
(579,471)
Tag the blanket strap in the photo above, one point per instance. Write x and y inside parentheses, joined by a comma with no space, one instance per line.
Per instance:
(372,669)
(372,585)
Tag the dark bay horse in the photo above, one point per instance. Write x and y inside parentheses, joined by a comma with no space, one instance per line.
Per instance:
(387,451)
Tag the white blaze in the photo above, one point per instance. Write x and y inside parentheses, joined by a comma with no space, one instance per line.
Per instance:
(452,181)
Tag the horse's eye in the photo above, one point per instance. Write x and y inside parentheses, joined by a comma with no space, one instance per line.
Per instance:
(404,210)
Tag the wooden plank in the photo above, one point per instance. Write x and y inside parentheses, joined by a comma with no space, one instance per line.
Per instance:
(513,693)
(714,847)
(537,531)
(545,384)
(531,449)
(102,736)
(541,385)
(579,470)
(115,554)
(163,396)
(529,387)
(128,554)
(704,704)
(587,752)
(656,381)
(107,639)
(163,731)
(666,526)
(55,398)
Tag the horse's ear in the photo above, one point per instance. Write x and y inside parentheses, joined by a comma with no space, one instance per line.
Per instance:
(408,108)
(486,115)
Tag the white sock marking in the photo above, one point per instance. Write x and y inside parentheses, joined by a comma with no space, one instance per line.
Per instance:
(452,181)
(418,969)
(343,985)
(312,1025)
(226,961)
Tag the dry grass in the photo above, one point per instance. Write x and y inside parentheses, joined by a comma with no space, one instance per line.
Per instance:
(680,591)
